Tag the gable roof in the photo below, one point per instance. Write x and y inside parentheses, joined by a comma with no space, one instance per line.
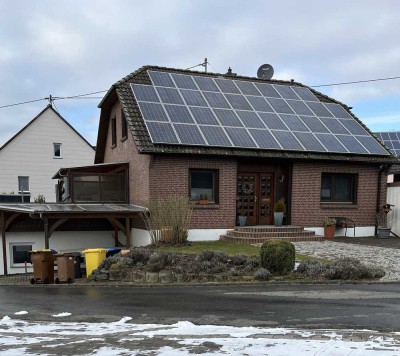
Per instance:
(122,91)
(48,107)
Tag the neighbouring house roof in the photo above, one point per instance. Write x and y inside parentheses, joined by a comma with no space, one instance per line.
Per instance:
(54,209)
(48,107)
(122,91)
(391,140)
(94,168)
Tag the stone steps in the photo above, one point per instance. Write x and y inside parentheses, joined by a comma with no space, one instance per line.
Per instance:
(259,234)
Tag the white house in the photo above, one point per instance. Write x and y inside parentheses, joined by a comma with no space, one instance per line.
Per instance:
(29,159)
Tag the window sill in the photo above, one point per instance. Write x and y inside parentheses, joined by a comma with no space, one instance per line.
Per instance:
(113,146)
(124,138)
(205,206)
(338,206)
(57,157)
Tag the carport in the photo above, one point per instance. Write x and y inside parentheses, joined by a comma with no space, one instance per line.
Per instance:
(53,216)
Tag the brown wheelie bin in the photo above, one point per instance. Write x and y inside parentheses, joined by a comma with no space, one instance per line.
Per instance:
(66,268)
(43,266)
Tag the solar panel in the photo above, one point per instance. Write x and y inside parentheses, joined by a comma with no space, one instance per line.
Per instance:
(259,104)
(334,126)
(153,111)
(170,96)
(305,94)
(391,140)
(287,140)
(247,88)
(228,118)
(309,141)
(216,100)
(280,106)
(206,84)
(314,124)
(264,139)
(238,102)
(227,86)
(272,121)
(286,92)
(294,123)
(162,79)
(179,113)
(250,119)
(319,109)
(161,132)
(338,111)
(215,136)
(145,93)
(351,144)
(330,142)
(240,137)
(267,90)
(189,134)
(193,97)
(184,81)
(213,111)
(203,116)
(300,107)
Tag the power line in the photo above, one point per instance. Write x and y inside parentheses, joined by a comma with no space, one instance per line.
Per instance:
(24,102)
(355,82)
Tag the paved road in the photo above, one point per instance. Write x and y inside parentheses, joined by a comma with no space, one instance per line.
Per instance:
(356,306)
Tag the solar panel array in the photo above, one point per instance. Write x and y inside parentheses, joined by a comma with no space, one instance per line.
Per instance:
(391,140)
(206,111)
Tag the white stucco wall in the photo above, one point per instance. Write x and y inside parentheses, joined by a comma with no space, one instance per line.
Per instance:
(393,197)
(31,154)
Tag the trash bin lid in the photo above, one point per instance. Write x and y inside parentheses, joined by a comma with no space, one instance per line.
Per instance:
(95,250)
(45,251)
(113,248)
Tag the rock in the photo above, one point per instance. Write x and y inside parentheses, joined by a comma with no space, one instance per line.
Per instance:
(151,277)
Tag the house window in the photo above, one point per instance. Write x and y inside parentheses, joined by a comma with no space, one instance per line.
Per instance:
(113,132)
(341,188)
(19,253)
(203,182)
(124,126)
(23,184)
(57,150)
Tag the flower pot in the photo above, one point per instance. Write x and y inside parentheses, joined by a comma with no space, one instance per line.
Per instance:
(203,201)
(383,232)
(278,218)
(329,231)
(242,220)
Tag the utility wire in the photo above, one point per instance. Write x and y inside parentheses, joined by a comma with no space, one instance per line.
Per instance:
(80,95)
(355,82)
(25,102)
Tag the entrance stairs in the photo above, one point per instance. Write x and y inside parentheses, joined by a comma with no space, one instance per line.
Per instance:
(259,234)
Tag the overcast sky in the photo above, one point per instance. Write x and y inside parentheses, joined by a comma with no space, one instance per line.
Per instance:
(70,47)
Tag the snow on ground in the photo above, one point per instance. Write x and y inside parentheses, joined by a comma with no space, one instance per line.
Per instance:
(25,337)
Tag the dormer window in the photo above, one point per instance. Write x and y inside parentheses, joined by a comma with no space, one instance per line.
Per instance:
(57,150)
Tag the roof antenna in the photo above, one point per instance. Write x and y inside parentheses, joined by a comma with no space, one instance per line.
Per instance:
(205,64)
(229,73)
(51,100)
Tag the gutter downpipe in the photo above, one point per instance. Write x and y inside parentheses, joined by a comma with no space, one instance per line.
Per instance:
(382,167)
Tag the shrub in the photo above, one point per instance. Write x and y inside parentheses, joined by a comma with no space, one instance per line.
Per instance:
(168,219)
(157,262)
(277,256)
(280,206)
(351,268)
(240,259)
(40,199)
(139,255)
(311,268)
(262,274)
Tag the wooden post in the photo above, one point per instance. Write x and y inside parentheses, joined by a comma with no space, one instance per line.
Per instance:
(3,242)
(116,237)
(128,232)
(46,233)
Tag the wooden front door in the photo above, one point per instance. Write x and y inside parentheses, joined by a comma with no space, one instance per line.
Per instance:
(255,197)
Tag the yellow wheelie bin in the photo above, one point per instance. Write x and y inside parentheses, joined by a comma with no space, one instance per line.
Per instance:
(93,258)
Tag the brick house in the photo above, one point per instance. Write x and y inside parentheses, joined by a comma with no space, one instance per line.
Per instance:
(245,142)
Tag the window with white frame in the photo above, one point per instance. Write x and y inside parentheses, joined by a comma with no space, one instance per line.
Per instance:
(57,150)
(19,253)
(23,184)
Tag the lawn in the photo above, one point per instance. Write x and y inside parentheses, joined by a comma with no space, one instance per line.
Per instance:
(230,248)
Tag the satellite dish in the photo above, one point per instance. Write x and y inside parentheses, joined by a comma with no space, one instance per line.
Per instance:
(265,72)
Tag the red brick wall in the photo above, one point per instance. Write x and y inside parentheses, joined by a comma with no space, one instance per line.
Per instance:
(170,176)
(307,209)
(126,151)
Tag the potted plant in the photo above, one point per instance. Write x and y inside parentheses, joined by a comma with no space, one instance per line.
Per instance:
(383,230)
(203,199)
(242,217)
(279,211)
(329,227)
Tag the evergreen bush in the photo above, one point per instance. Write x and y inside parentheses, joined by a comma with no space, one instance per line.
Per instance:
(277,256)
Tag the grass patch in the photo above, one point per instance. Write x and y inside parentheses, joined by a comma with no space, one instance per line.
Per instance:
(230,248)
